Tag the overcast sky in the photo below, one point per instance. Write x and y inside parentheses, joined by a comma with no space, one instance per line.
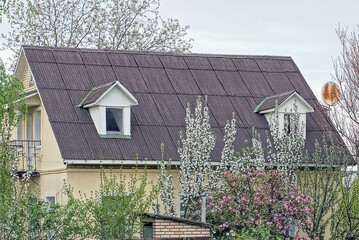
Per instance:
(304,30)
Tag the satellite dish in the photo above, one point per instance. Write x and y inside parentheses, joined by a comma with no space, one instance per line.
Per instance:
(330,93)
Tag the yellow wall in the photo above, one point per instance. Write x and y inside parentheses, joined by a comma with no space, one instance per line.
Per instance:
(86,180)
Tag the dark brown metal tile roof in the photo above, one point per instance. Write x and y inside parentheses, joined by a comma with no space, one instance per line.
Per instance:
(271,101)
(163,84)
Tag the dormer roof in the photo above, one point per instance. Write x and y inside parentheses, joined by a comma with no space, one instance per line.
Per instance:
(98,93)
(269,103)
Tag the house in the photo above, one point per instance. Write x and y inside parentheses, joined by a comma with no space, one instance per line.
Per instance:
(88,108)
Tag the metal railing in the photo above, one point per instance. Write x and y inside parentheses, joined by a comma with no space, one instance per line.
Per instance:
(27,154)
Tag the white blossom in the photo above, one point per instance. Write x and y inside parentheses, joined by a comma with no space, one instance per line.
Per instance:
(167,189)
(195,148)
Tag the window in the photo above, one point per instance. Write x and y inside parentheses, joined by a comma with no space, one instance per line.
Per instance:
(114,120)
(31,79)
(37,127)
(287,124)
(147,230)
(20,130)
(50,200)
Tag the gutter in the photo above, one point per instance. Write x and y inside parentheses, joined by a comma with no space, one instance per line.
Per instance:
(155,163)
(116,162)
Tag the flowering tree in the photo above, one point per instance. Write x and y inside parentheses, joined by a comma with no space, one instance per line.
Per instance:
(166,186)
(253,197)
(285,146)
(195,149)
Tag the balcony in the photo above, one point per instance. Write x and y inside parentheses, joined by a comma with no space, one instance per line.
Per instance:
(27,153)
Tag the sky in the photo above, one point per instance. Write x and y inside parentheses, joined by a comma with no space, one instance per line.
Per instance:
(304,30)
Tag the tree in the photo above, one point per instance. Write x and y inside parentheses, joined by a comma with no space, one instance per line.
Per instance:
(321,182)
(346,118)
(114,211)
(254,196)
(110,24)
(195,148)
(345,113)
(11,91)
(166,186)
(346,220)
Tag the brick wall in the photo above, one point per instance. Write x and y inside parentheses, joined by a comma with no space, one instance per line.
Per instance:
(168,229)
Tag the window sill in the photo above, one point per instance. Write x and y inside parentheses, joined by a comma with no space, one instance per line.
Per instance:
(115,135)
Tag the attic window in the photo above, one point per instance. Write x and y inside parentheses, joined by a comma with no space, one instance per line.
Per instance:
(31,79)
(114,120)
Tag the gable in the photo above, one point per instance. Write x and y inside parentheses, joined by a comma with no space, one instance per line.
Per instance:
(163,84)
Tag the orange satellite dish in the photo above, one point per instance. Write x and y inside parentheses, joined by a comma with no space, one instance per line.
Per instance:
(330,93)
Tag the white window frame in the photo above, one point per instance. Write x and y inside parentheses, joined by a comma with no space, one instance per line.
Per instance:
(50,195)
(122,123)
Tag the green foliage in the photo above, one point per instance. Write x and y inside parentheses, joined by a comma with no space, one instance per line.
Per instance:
(114,211)
(346,219)
(321,182)
(12,107)
(259,232)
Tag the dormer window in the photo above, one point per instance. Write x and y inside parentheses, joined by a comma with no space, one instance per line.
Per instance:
(286,103)
(110,108)
(114,120)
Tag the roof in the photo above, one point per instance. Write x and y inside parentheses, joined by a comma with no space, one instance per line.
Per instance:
(162,83)
(176,219)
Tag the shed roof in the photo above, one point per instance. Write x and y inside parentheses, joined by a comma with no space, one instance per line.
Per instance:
(162,83)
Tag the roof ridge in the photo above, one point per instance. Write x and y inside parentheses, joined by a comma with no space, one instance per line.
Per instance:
(188,54)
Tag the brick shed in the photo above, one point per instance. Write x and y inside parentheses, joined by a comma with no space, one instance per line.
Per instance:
(157,226)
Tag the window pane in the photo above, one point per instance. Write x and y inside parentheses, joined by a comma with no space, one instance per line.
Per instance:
(37,125)
(20,130)
(113,120)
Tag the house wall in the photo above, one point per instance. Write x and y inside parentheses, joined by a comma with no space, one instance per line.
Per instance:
(87,180)
(163,228)
(49,162)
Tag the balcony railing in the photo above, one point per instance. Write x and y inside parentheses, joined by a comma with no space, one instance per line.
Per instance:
(27,154)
